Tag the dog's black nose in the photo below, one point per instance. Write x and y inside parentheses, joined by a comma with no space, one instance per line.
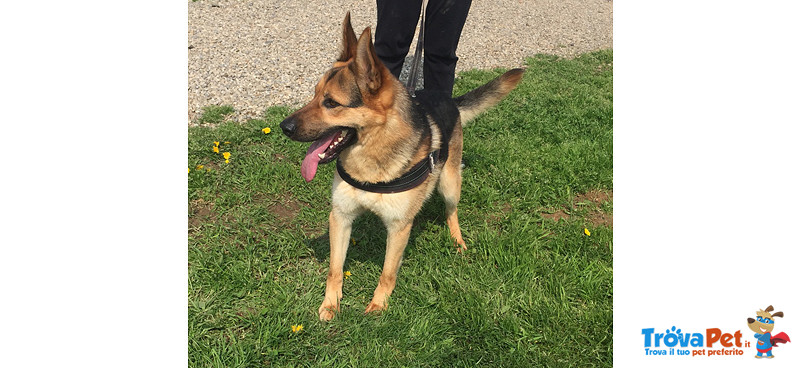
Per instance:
(750,320)
(289,126)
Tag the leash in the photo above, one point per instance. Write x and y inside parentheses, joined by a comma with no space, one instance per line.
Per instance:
(413,75)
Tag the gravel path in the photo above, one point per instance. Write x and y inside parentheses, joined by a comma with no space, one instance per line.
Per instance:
(252,54)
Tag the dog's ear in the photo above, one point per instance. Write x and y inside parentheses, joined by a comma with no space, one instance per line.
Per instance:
(777,314)
(769,309)
(369,67)
(349,41)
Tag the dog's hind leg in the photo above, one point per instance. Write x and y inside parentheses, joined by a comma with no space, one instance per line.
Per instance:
(450,188)
(340,227)
(395,246)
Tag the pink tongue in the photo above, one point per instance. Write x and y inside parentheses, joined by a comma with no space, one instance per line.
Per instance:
(309,166)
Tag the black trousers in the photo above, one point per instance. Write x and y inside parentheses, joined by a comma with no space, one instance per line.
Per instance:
(444,20)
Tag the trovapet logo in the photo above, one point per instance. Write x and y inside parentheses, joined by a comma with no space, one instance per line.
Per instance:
(713,341)
(716,342)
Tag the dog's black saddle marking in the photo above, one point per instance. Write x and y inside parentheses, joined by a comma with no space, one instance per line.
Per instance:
(445,114)
(443,110)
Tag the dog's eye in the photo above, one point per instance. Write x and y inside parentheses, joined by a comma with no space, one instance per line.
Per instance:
(329,103)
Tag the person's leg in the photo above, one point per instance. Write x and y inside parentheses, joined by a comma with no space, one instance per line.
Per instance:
(443,24)
(397,20)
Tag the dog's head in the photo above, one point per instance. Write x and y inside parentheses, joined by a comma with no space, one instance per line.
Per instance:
(351,97)
(764,321)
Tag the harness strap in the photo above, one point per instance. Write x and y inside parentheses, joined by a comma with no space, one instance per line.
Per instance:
(409,180)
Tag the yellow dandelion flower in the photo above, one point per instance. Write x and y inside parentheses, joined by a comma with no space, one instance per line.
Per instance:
(226,142)
(586,231)
(199,167)
(297,328)
(216,143)
(347,274)
(266,130)
(215,149)
(190,170)
(226,155)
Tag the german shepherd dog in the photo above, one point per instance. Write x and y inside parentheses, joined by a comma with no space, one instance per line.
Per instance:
(364,117)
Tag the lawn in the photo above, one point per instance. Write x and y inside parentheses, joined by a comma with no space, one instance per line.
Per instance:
(533,289)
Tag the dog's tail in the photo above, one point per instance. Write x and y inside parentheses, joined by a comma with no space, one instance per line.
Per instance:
(482,98)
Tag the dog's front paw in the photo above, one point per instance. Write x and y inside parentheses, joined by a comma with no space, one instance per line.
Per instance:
(460,245)
(327,311)
(374,307)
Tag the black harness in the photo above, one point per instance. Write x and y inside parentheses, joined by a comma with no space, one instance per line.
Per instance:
(409,180)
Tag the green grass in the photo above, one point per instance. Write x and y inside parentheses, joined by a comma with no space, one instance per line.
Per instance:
(530,291)
(215,114)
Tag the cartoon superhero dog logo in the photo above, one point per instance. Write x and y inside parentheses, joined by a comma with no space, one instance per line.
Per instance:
(762,325)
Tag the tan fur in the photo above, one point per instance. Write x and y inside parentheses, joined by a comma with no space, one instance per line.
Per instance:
(387,146)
